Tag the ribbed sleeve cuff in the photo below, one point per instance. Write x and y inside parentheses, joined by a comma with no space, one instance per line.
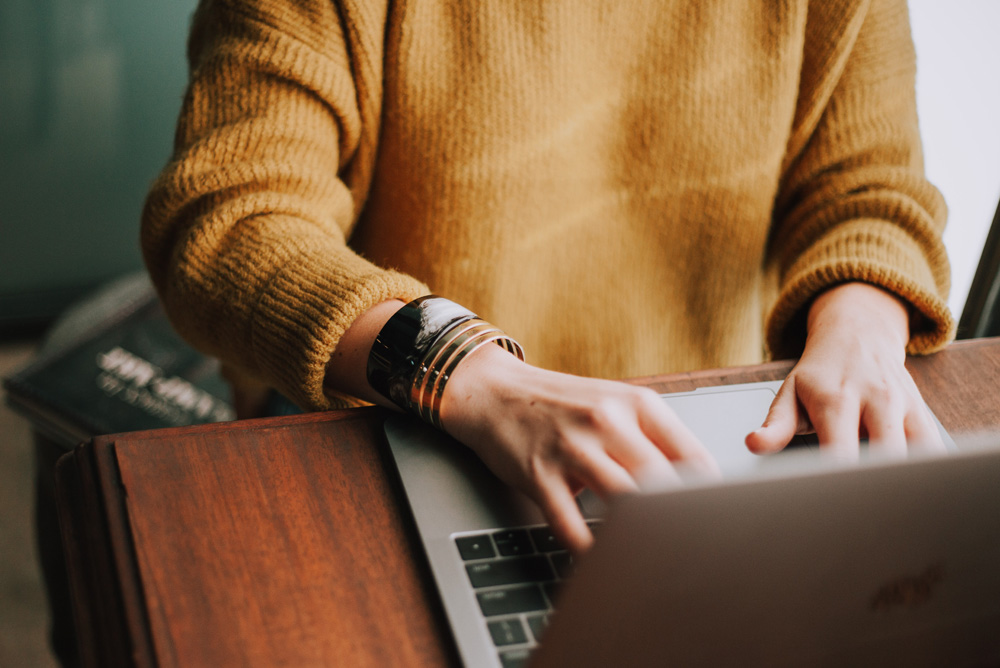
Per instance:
(870,251)
(307,308)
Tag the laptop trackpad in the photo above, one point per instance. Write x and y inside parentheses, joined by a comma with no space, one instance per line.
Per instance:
(721,418)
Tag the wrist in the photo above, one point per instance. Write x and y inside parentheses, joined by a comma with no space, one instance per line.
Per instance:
(346,370)
(482,381)
(860,307)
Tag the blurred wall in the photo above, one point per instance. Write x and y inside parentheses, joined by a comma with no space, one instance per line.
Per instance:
(958,98)
(89,93)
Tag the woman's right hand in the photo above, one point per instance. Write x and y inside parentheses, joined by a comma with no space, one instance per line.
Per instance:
(552,434)
(548,434)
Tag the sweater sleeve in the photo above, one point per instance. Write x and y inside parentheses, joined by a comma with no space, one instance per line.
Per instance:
(245,231)
(854,204)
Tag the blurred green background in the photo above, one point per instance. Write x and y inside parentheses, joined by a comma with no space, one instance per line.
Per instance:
(89,94)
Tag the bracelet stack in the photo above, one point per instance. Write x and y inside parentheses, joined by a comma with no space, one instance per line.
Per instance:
(419,349)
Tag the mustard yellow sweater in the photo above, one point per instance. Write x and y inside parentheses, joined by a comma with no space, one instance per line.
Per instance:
(627,188)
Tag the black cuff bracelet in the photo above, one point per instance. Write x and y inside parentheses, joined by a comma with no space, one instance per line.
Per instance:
(420,346)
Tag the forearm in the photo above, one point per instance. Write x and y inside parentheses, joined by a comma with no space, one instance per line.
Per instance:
(245,231)
(854,204)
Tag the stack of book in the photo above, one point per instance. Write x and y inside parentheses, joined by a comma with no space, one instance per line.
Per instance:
(115,364)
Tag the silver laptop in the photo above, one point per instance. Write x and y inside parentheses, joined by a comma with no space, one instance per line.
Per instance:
(787,561)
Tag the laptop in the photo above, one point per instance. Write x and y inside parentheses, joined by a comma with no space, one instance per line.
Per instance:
(788,560)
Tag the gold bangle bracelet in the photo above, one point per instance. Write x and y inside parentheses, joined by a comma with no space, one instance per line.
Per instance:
(431,364)
(453,355)
(437,395)
(439,364)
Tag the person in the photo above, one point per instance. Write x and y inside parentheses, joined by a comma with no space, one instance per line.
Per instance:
(625,188)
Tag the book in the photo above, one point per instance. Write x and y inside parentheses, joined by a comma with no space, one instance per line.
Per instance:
(124,370)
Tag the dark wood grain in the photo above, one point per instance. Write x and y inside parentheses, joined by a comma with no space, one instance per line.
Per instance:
(276,545)
(286,542)
(98,613)
(962,385)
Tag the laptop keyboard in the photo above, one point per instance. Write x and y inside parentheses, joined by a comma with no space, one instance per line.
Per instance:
(515,575)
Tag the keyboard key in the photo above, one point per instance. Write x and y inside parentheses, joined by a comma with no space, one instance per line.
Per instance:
(517,658)
(519,570)
(513,543)
(805,441)
(508,632)
(537,624)
(475,547)
(545,540)
(512,601)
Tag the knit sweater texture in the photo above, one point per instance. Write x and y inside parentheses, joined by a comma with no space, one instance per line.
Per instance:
(627,188)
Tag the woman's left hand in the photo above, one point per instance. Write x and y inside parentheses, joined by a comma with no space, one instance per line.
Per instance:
(851,382)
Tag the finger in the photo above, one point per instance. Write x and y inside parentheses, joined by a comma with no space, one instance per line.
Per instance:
(659,478)
(837,420)
(558,504)
(593,467)
(671,437)
(631,447)
(884,424)
(642,459)
(921,430)
(785,418)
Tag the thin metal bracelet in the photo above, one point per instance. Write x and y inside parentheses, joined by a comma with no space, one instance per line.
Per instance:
(429,368)
(425,392)
(467,348)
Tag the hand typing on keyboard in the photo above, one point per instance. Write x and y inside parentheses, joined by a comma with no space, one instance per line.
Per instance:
(552,434)
(549,434)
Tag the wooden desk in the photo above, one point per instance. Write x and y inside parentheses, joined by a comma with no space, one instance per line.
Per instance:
(286,541)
